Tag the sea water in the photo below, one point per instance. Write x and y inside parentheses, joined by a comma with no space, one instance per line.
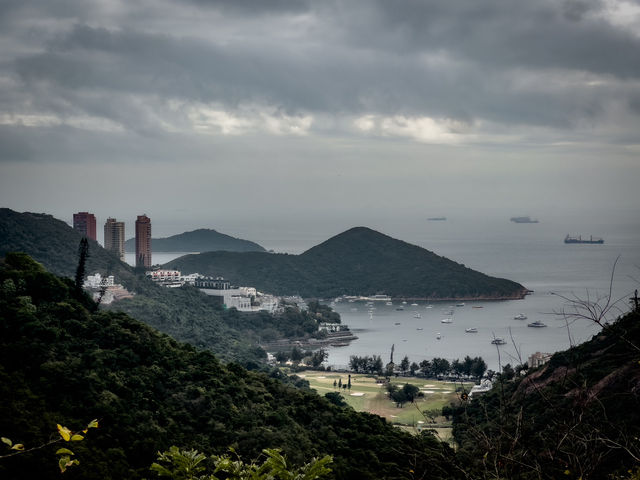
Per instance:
(531,254)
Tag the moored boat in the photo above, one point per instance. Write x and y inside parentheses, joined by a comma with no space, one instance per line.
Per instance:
(520,316)
(471,330)
(498,341)
(537,324)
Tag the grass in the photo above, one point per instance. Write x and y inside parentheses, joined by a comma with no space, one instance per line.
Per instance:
(366,395)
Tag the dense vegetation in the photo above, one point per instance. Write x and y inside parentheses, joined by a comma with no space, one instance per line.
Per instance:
(576,417)
(185,313)
(201,240)
(62,362)
(359,261)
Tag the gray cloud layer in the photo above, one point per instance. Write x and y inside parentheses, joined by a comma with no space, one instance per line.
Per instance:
(545,63)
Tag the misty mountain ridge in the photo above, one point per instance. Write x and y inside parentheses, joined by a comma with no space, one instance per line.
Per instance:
(359,261)
(200,240)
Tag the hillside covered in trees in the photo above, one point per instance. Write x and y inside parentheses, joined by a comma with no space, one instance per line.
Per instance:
(359,261)
(201,240)
(184,313)
(578,416)
(61,361)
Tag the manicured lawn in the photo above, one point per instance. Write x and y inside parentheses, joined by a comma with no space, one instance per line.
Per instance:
(366,395)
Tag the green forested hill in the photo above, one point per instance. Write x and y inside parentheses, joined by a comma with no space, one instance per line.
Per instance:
(201,240)
(60,363)
(576,417)
(359,261)
(184,313)
(55,244)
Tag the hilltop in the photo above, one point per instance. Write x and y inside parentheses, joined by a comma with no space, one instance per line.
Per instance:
(359,261)
(201,240)
(61,362)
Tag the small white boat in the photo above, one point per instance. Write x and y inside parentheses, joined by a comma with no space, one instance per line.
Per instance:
(429,306)
(414,304)
(446,320)
(419,328)
(461,304)
(438,336)
(416,315)
(471,330)
(404,303)
(498,341)
(537,324)
(389,303)
(520,316)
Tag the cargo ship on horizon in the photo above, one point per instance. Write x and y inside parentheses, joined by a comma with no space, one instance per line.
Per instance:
(579,239)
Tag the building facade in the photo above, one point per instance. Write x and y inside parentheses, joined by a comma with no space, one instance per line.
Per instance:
(114,237)
(85,223)
(143,241)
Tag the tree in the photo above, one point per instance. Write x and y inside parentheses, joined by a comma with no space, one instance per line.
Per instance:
(457,367)
(440,366)
(180,464)
(318,357)
(296,354)
(411,391)
(355,363)
(281,357)
(425,367)
(404,365)
(83,254)
(507,372)
(467,365)
(376,366)
(479,367)
(413,368)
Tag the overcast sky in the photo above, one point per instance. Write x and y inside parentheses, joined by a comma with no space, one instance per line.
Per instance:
(223,114)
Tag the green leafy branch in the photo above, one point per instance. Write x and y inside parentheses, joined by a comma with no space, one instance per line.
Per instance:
(180,464)
(64,454)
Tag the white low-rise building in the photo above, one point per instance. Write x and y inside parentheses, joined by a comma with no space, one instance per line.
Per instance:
(98,281)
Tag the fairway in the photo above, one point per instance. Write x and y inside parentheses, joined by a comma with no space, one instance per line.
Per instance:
(366,395)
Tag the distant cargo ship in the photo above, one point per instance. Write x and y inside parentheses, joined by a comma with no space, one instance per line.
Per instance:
(524,220)
(579,239)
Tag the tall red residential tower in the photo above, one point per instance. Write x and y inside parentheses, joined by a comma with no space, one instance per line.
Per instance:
(143,241)
(85,223)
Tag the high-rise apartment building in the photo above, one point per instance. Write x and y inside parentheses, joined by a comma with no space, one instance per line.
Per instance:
(143,241)
(85,223)
(114,237)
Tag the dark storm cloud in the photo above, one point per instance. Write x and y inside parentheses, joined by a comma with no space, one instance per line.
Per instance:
(256,7)
(505,33)
(543,64)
